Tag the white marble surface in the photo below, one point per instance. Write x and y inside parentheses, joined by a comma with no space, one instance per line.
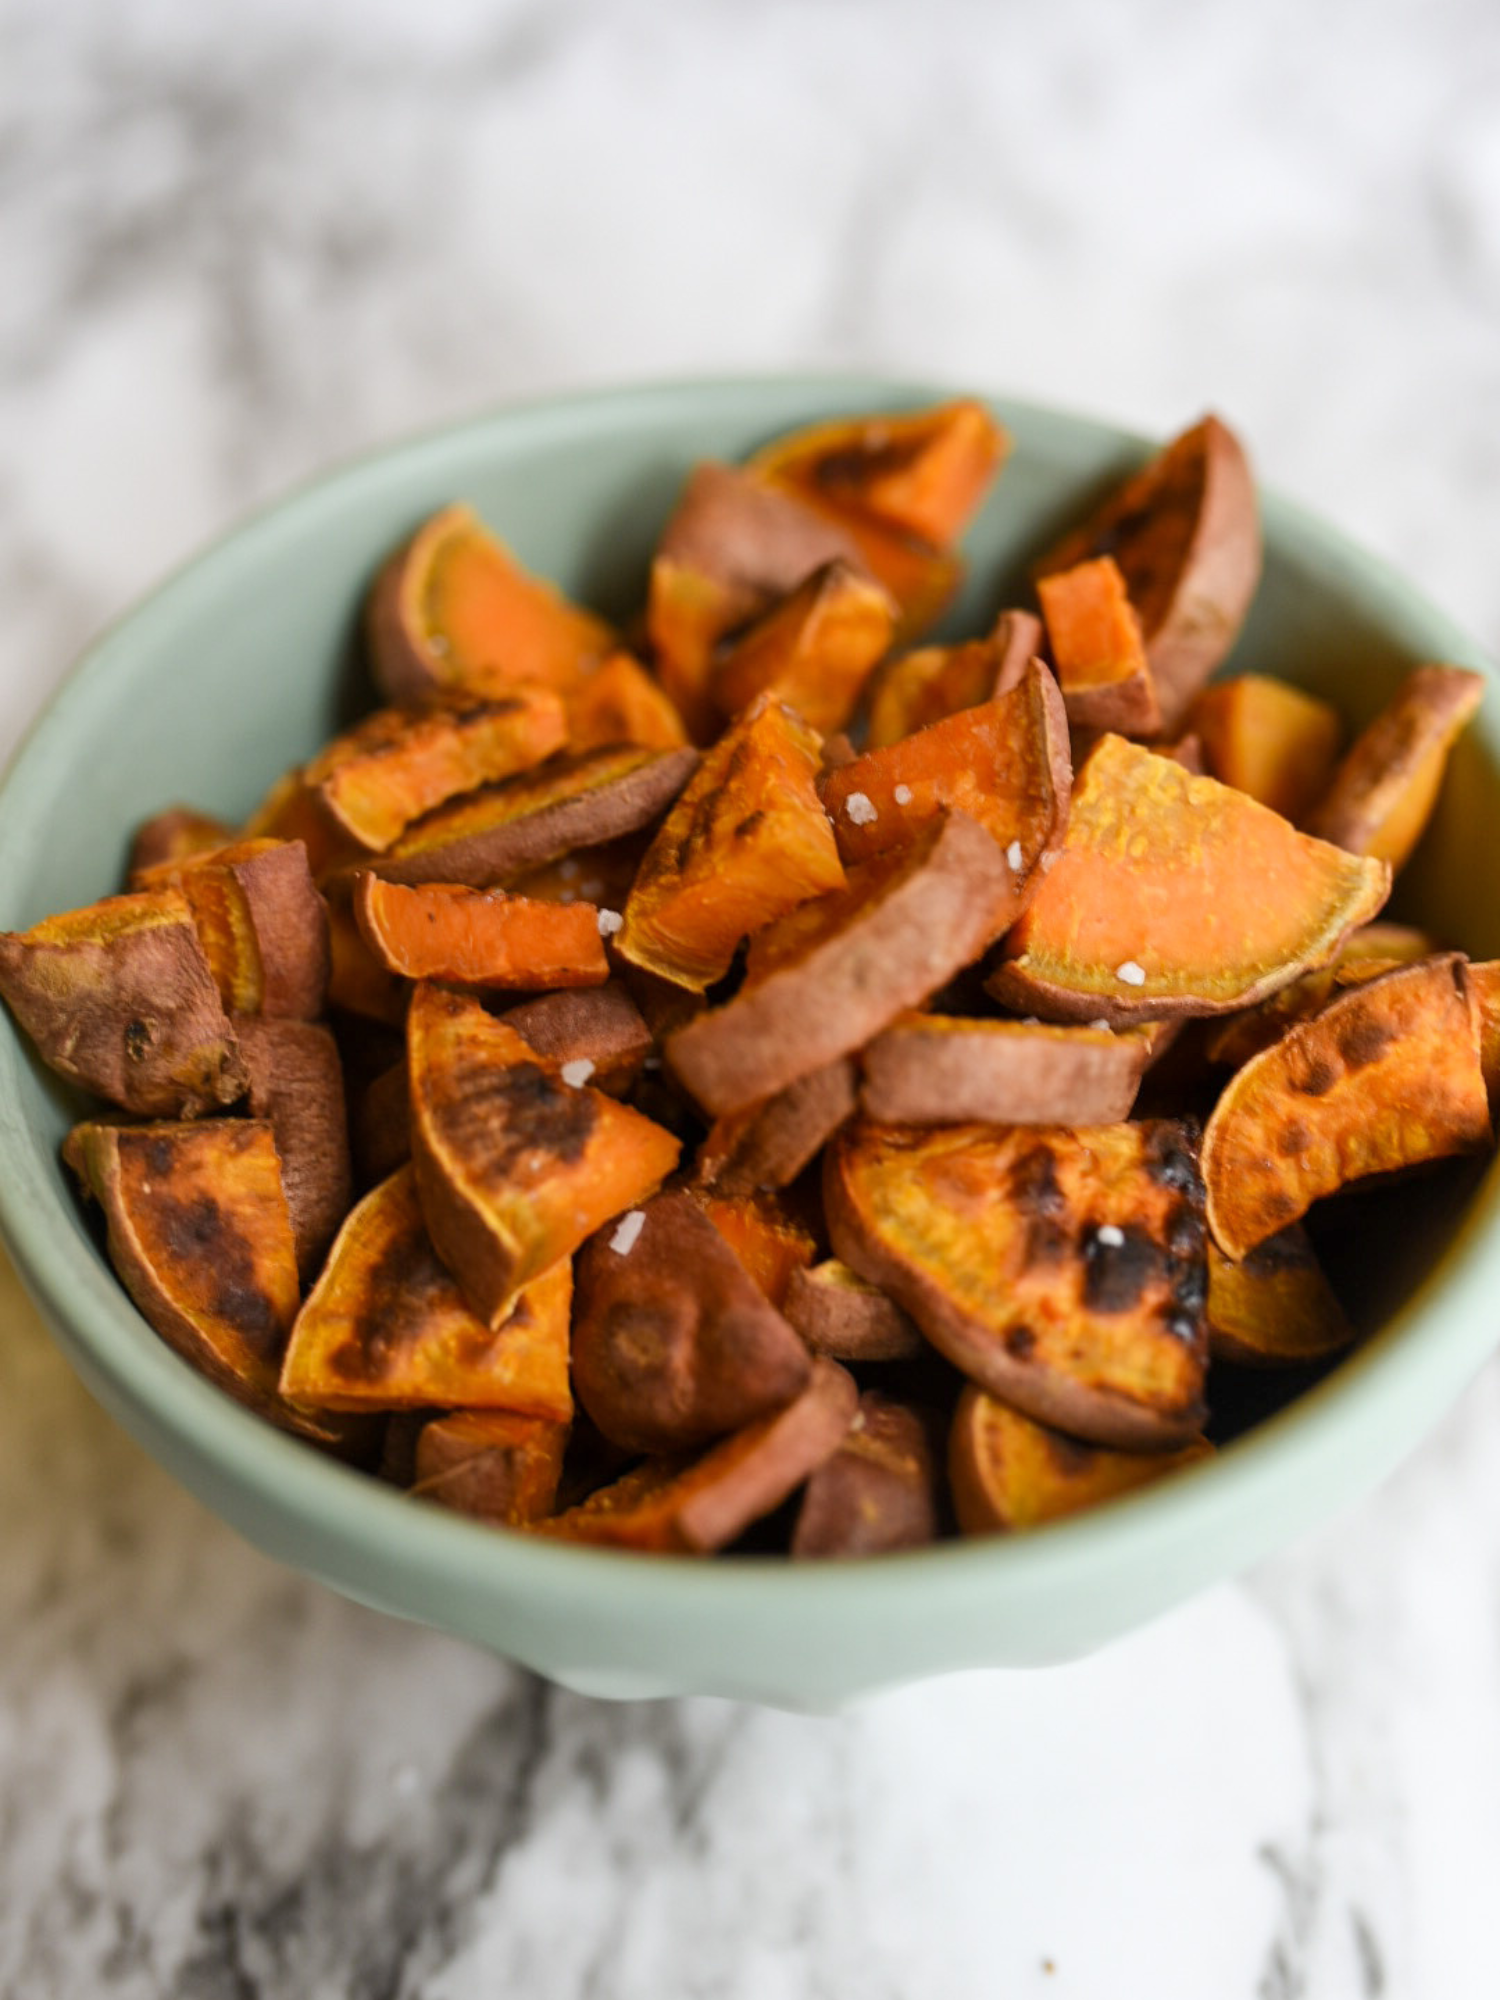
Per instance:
(238,241)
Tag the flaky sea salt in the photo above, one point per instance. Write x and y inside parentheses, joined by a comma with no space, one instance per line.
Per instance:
(861,809)
(1131,973)
(627,1230)
(577,1073)
(1015,857)
(610,921)
(1099,1024)
(1109,1236)
(902,795)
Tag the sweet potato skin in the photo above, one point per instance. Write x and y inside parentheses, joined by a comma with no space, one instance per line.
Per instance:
(842,1315)
(1275,1309)
(888,944)
(596,1024)
(297,1086)
(175,834)
(479,937)
(932,1069)
(1063,1271)
(1097,649)
(879,1490)
(119,999)
(1388,1075)
(768,1145)
(261,922)
(494,1465)
(674,1343)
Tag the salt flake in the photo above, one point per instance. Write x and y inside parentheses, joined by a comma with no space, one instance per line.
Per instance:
(577,1073)
(627,1230)
(1111,1237)
(610,921)
(902,795)
(1015,857)
(1099,1024)
(1131,973)
(861,809)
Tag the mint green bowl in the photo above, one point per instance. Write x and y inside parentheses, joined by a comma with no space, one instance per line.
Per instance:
(246,659)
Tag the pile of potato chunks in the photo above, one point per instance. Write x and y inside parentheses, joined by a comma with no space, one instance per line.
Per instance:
(843,1180)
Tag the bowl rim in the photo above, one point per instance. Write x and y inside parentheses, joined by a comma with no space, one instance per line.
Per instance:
(355,1514)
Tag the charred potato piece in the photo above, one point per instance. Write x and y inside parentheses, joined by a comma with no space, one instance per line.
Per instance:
(842,1315)
(1268,738)
(1062,1270)
(1095,639)
(1275,1309)
(1157,908)
(879,1490)
(120,999)
(297,1086)
(478,937)
(768,1145)
(922,687)
(814,650)
(621,703)
(495,1465)
(1388,1075)
(934,1069)
(1008,1472)
(261,922)
(674,1343)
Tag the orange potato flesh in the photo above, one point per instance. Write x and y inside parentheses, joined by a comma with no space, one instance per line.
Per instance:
(1009,1473)
(668,1506)
(768,1144)
(540,817)
(479,937)
(746,842)
(814,650)
(924,686)
(495,1465)
(1484,984)
(1095,637)
(1377,945)
(357,981)
(1387,1075)
(770,1245)
(1004,763)
(1276,1308)
(261,922)
(174,835)
(514,1166)
(119,998)
(387,1328)
(1268,738)
(920,580)
(926,472)
(454,610)
(1174,895)
(621,703)
(1060,1269)
(1383,793)
(840,1314)
(936,1069)
(878,1492)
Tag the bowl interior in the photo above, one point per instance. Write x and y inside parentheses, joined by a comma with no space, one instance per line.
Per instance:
(249,658)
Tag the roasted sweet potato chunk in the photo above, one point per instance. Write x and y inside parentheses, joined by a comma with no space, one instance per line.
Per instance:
(1268,738)
(667,1505)
(839,970)
(841,1314)
(452,609)
(297,1086)
(937,1069)
(119,998)
(732,549)
(878,1492)
(921,687)
(1383,793)
(746,842)
(1008,1472)
(357,981)
(814,650)
(261,922)
(768,1241)
(1004,763)
(1185,532)
(496,1465)
(1386,1076)
(769,1144)
(1372,948)
(1096,643)
(1160,902)
(479,937)
(1276,1308)
(515,1167)
(674,1342)
(1484,985)
(526,822)
(1063,1270)
(621,703)
(596,1033)
(174,835)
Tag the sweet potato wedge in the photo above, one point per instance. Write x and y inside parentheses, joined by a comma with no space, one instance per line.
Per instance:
(1008,1472)
(387,1328)
(1158,904)
(674,1342)
(174,835)
(1185,532)
(1387,1075)
(261,922)
(769,1144)
(1097,649)
(1062,1270)
(582,801)
(1379,945)
(838,971)
(1005,763)
(621,703)
(452,609)
(1276,1309)
(1383,793)
(357,981)
(814,650)
(747,841)
(1268,738)
(1484,984)
(925,472)
(514,1166)
(917,688)
(766,1238)
(937,1069)
(878,1492)
(495,1465)
(478,937)
(119,998)
(842,1315)
(600,1026)
(668,1506)
(732,548)
(297,1086)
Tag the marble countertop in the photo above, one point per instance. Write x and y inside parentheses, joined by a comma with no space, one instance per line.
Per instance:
(239,242)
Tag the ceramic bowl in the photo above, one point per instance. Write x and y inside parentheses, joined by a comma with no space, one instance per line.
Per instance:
(248,658)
